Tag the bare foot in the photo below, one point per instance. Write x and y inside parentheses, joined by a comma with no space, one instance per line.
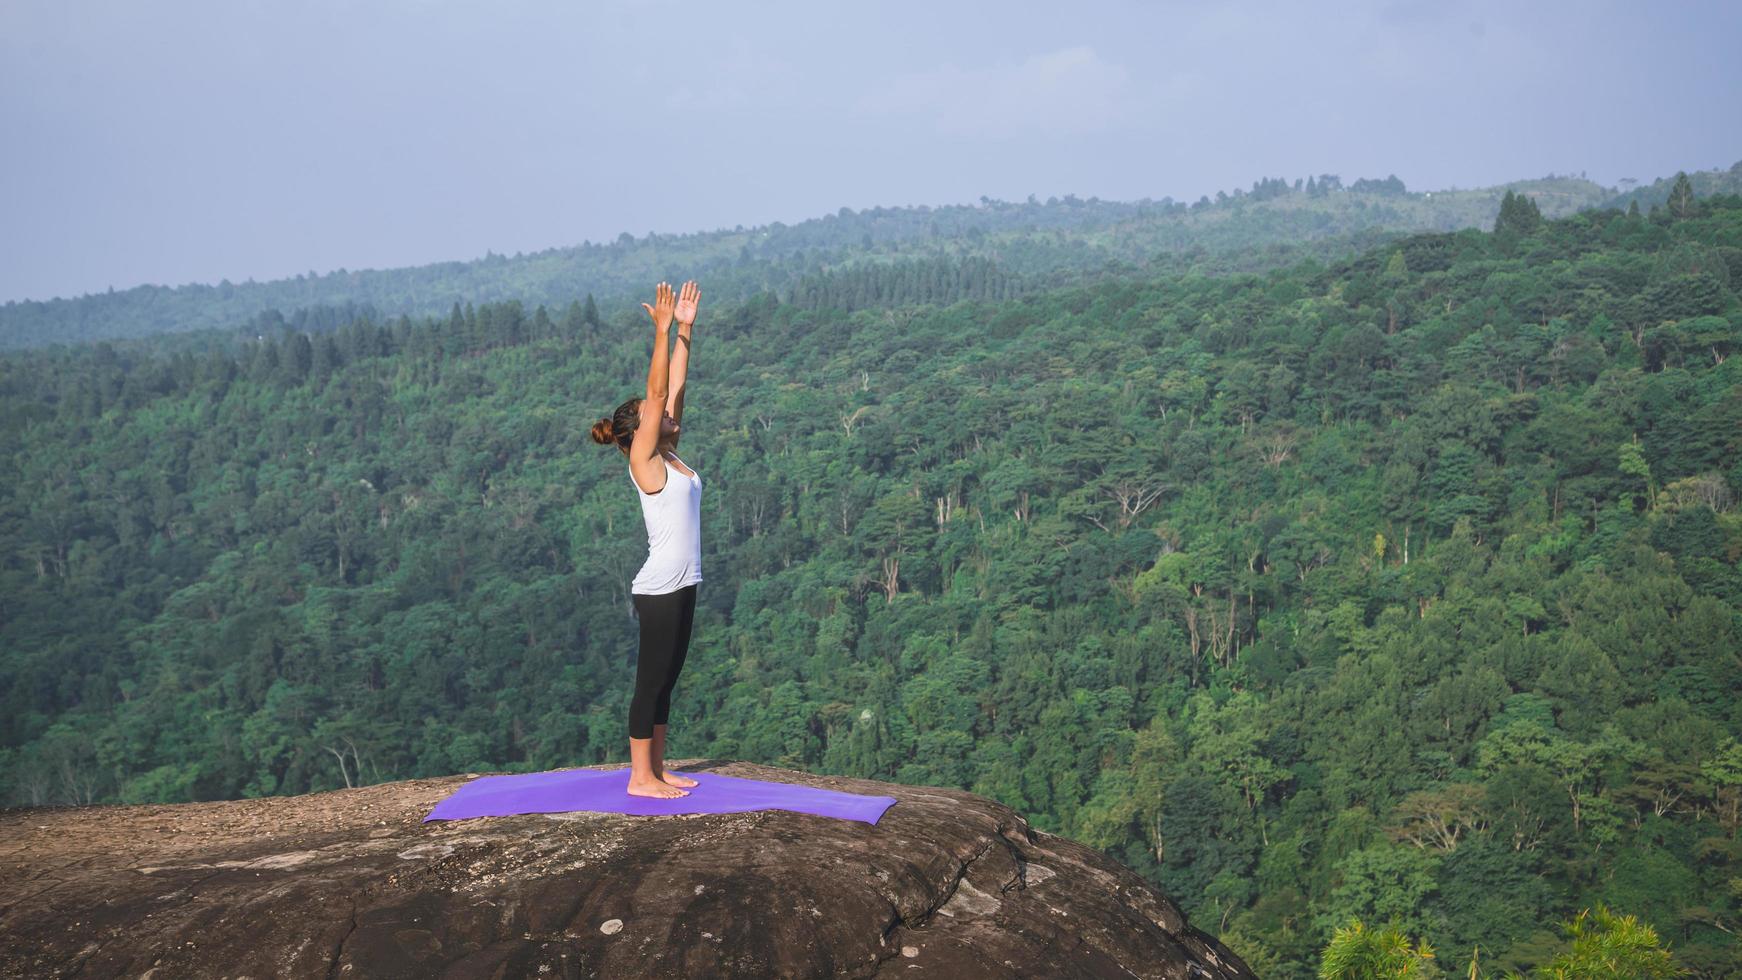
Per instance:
(654,787)
(673,779)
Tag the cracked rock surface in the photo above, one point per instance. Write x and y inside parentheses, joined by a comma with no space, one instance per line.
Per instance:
(351,883)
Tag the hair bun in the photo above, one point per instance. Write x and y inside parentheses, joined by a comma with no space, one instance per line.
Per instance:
(602,432)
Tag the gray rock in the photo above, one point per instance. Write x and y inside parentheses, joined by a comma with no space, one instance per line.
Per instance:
(352,883)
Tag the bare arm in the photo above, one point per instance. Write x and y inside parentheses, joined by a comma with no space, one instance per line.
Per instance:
(685,312)
(644,447)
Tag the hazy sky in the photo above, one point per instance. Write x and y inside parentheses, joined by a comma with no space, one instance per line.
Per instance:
(176,141)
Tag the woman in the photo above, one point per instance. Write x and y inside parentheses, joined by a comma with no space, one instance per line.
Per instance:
(664,591)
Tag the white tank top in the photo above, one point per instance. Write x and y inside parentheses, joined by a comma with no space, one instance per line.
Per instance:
(674,533)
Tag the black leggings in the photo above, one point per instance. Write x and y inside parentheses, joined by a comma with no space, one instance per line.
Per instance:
(665,639)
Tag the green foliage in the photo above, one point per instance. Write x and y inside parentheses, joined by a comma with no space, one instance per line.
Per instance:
(1609,946)
(1518,216)
(1598,945)
(1490,894)
(1702,183)
(1384,882)
(1356,952)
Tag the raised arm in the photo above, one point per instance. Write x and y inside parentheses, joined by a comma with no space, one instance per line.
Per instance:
(685,312)
(644,461)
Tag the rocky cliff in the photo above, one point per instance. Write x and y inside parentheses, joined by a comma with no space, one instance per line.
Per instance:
(352,883)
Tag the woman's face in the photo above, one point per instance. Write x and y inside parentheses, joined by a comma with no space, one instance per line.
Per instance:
(668,426)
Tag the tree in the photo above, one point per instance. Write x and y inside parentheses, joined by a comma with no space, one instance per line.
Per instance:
(1227,741)
(1724,771)
(1490,895)
(1440,817)
(1603,946)
(1681,198)
(1397,268)
(1356,952)
(1577,765)
(1607,946)
(1132,803)
(896,525)
(1633,463)
(1519,216)
(1383,881)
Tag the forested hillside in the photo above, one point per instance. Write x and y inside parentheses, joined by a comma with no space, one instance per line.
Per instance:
(1403,585)
(1050,243)
(1700,183)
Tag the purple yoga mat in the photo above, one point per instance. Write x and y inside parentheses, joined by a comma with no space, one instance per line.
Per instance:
(607,791)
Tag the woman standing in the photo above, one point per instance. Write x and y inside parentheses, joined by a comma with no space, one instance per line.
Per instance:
(664,591)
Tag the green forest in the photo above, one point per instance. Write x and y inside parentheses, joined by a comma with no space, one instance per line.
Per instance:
(1056,242)
(1398,587)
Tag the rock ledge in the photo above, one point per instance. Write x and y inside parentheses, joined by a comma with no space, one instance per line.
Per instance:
(352,883)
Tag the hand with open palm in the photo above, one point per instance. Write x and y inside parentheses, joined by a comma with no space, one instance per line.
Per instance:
(686,303)
(663,303)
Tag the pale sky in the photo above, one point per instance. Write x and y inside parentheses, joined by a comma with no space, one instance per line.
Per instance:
(178,141)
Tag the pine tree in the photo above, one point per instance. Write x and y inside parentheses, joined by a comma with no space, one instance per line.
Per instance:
(453,335)
(1681,198)
(326,357)
(299,358)
(1519,215)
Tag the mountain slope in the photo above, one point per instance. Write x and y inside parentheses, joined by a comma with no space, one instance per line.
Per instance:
(1057,238)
